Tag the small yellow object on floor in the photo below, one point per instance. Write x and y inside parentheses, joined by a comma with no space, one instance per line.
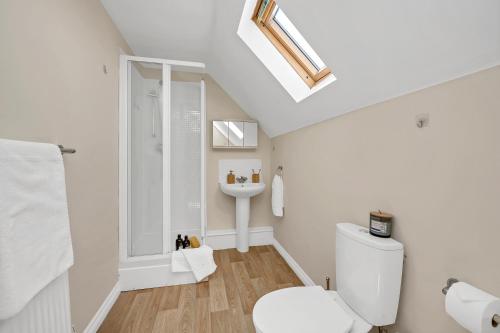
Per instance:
(194,242)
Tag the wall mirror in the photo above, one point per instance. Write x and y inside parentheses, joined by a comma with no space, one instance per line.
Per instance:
(234,134)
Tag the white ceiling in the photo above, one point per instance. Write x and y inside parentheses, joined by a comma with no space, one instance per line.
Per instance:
(377,49)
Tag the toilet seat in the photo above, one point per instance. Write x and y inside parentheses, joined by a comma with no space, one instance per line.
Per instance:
(305,309)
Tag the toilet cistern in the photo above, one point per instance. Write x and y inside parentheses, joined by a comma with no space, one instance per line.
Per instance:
(242,192)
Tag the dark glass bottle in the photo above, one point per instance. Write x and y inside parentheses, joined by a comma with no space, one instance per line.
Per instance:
(186,242)
(179,242)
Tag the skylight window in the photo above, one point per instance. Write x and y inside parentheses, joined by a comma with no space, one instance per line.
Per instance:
(287,39)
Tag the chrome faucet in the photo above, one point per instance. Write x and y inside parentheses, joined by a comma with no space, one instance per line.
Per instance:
(241,179)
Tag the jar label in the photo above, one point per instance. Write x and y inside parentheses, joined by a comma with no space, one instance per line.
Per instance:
(379,226)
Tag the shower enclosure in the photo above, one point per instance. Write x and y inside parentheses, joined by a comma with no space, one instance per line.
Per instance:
(162,167)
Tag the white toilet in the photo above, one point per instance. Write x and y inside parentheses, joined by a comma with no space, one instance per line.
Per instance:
(368,270)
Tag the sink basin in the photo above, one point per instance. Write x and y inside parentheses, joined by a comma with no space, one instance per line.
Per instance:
(242,192)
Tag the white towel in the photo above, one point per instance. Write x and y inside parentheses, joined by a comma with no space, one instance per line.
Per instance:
(277,196)
(179,263)
(35,241)
(200,261)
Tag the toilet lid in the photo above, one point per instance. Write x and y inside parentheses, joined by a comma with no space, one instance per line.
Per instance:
(299,310)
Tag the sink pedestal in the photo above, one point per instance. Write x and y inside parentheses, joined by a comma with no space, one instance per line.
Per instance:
(242,193)
(242,220)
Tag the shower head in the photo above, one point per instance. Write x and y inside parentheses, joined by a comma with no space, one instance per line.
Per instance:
(155,92)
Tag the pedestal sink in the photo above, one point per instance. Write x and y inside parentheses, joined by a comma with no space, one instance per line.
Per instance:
(242,192)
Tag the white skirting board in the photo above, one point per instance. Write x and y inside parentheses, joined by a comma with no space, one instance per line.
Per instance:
(302,275)
(104,309)
(226,239)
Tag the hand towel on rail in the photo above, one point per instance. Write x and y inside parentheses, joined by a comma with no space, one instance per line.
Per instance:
(277,196)
(35,241)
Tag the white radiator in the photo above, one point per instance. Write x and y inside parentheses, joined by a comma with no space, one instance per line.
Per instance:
(47,312)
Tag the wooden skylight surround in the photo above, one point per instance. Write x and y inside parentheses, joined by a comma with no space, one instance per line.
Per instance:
(273,22)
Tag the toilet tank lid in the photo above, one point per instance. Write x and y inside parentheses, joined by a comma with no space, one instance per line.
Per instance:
(362,235)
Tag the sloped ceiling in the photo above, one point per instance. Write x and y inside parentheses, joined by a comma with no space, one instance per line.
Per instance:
(377,49)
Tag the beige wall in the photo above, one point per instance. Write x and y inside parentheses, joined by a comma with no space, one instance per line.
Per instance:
(53,89)
(441,182)
(220,207)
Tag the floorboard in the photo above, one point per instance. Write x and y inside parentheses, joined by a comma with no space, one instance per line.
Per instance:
(224,304)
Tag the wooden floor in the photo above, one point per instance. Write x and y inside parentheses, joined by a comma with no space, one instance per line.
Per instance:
(223,304)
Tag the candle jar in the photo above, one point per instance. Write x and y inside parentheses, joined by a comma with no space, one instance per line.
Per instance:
(380,224)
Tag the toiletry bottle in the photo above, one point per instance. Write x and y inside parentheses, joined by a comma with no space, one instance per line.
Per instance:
(231,179)
(256,176)
(178,242)
(186,243)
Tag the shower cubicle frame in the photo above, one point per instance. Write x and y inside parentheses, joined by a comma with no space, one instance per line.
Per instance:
(124,159)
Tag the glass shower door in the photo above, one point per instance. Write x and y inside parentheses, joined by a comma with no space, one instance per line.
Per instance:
(186,160)
(145,159)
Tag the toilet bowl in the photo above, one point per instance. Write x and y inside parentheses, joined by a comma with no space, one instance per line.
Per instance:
(306,309)
(368,277)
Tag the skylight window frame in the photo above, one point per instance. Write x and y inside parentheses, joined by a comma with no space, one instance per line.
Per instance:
(285,44)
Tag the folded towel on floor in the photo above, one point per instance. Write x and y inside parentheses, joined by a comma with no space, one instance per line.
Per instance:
(200,261)
(35,241)
(179,263)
